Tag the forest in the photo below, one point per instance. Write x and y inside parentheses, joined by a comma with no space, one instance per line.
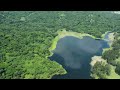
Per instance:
(26,36)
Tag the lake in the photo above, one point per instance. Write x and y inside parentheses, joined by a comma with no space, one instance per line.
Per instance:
(75,54)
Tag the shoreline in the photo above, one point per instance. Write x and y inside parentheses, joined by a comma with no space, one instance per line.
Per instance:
(96,59)
(63,33)
(110,41)
(100,59)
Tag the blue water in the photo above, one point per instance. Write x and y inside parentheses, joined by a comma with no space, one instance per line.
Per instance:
(106,36)
(75,54)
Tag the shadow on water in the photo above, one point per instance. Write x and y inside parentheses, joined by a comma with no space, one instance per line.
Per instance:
(75,56)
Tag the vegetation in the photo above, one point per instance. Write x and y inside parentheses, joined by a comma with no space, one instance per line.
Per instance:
(112,56)
(101,70)
(26,38)
(96,59)
(64,33)
(114,53)
(117,69)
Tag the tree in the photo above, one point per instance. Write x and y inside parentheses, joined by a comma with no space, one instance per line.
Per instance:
(117,69)
(101,70)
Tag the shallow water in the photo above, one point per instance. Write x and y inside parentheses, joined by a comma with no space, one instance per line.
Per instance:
(75,54)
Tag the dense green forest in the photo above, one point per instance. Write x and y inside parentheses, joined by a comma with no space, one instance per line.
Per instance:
(26,36)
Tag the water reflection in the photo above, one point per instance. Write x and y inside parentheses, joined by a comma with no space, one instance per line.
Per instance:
(75,54)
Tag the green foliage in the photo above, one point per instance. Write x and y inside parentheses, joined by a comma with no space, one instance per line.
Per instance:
(112,55)
(26,36)
(101,70)
(117,69)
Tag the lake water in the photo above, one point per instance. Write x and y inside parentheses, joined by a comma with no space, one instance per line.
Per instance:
(75,54)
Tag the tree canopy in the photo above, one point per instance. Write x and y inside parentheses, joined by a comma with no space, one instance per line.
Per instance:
(26,36)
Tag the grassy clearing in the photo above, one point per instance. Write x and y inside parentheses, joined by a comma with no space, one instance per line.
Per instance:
(118,60)
(113,75)
(106,49)
(97,59)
